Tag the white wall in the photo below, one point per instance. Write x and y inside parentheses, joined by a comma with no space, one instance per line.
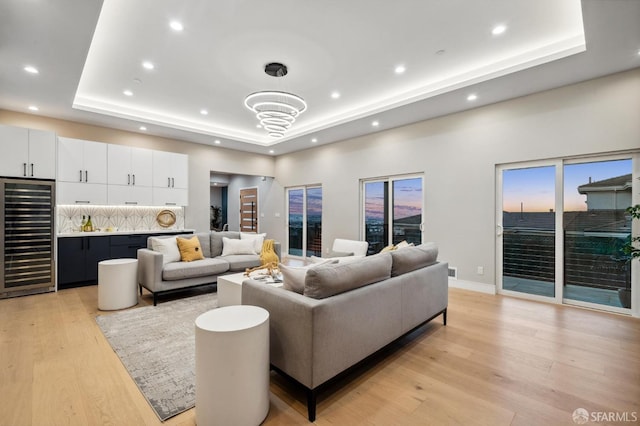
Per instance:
(265,193)
(458,154)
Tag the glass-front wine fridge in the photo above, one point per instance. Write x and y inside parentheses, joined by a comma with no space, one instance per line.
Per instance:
(27,239)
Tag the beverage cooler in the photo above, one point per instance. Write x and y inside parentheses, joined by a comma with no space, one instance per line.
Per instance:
(27,240)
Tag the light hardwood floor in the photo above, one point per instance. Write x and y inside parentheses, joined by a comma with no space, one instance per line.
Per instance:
(499,361)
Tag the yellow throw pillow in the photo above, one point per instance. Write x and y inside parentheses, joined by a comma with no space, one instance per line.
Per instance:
(189,249)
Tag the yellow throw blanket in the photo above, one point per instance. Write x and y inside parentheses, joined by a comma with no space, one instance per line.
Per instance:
(268,253)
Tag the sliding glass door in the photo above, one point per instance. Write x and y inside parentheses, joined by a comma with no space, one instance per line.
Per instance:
(304,221)
(596,227)
(562,226)
(529,230)
(392,211)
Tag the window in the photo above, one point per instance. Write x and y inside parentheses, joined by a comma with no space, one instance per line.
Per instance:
(392,211)
(304,221)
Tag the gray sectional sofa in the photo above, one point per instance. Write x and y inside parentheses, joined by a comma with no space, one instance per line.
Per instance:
(159,276)
(347,312)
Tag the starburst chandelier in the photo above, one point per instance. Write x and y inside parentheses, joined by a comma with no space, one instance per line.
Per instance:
(276,111)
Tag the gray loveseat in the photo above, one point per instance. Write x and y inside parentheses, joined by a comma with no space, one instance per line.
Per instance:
(159,276)
(349,311)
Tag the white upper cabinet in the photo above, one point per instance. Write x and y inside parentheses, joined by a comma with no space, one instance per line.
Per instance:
(27,153)
(82,172)
(129,175)
(82,161)
(170,170)
(129,166)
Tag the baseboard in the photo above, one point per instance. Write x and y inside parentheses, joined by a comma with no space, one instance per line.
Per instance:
(473,286)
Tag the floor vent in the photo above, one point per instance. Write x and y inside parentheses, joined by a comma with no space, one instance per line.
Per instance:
(453,273)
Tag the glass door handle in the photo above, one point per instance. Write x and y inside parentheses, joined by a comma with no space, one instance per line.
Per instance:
(499,230)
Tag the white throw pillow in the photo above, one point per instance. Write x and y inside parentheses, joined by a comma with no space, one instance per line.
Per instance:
(168,247)
(258,240)
(232,246)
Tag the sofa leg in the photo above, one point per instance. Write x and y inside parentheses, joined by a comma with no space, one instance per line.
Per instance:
(155,299)
(444,316)
(311,404)
(140,289)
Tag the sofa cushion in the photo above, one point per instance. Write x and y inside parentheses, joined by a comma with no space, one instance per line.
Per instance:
(205,242)
(293,276)
(257,239)
(327,280)
(190,249)
(240,262)
(231,246)
(198,268)
(168,247)
(411,258)
(216,241)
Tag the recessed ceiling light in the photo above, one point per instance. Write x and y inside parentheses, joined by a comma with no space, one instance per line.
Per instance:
(271,151)
(375,124)
(143,128)
(148,65)
(31,69)
(204,112)
(176,26)
(314,140)
(217,142)
(128,93)
(498,29)
(400,69)
(33,108)
(335,95)
(472,97)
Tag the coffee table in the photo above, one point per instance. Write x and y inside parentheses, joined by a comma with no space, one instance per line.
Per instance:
(230,288)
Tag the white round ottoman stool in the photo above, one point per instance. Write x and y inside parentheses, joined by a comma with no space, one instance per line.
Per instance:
(117,284)
(232,366)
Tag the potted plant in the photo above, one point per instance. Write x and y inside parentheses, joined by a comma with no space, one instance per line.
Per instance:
(216,213)
(632,250)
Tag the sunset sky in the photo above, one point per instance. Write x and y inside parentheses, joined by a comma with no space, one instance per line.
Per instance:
(535,187)
(407,199)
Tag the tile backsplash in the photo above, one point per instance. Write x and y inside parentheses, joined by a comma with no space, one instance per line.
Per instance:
(124,218)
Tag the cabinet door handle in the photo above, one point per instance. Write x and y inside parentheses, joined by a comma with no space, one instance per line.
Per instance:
(168,182)
(134,179)
(173,182)
(82,202)
(128,179)
(31,169)
(169,204)
(86,176)
(80,176)
(24,169)
(131,202)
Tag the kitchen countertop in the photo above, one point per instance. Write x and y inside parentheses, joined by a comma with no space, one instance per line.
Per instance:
(141,231)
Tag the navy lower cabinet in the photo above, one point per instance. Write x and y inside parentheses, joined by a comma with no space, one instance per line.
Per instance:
(127,245)
(78,259)
(78,256)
